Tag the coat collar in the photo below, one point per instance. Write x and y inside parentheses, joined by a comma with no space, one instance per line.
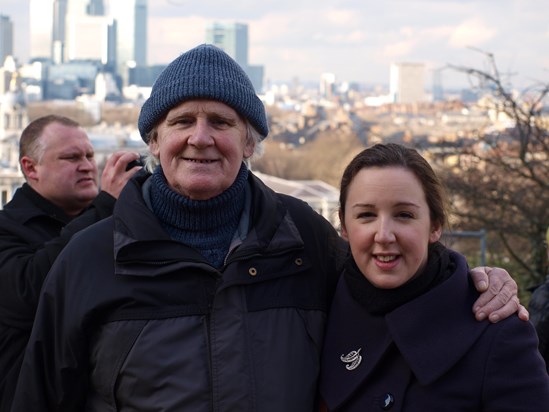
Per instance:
(271,230)
(431,332)
(28,204)
(434,331)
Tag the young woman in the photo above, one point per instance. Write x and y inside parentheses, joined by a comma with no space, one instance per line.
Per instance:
(401,335)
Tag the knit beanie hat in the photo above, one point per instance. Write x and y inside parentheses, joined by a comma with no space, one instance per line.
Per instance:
(205,72)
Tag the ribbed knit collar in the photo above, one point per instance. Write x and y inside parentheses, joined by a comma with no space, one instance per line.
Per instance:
(210,225)
(379,301)
(183,213)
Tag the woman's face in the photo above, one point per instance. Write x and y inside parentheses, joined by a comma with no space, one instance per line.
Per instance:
(201,145)
(388,225)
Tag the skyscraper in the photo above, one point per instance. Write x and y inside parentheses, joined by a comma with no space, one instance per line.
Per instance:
(90,38)
(233,39)
(48,24)
(58,30)
(41,27)
(6,38)
(131,37)
(407,82)
(95,8)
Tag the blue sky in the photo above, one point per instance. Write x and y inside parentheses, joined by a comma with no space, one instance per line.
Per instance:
(357,40)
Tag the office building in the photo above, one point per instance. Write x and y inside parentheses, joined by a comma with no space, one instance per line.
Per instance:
(327,85)
(49,20)
(6,38)
(131,35)
(90,38)
(41,28)
(233,39)
(407,82)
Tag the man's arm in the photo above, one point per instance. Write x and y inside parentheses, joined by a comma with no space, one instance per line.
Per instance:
(498,299)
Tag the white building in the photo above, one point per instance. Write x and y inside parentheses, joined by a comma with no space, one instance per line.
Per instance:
(88,37)
(41,27)
(407,82)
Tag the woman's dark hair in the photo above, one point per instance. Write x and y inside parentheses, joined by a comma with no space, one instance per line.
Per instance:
(396,155)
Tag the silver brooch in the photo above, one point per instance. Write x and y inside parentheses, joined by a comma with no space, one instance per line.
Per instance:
(352,359)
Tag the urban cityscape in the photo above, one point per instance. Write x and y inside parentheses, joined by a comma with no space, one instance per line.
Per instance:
(92,65)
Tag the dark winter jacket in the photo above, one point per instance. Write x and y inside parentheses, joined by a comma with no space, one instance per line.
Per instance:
(33,232)
(539,316)
(141,322)
(430,354)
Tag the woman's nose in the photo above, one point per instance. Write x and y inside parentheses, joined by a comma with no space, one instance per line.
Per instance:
(384,232)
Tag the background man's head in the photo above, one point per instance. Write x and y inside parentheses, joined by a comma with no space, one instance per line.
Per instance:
(57,160)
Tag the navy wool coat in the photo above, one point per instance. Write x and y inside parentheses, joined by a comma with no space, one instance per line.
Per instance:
(430,354)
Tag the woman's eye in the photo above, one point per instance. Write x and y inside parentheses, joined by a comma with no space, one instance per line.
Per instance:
(405,215)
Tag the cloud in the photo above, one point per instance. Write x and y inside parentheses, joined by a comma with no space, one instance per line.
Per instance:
(473,31)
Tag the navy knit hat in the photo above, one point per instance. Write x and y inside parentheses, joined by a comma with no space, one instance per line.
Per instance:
(205,72)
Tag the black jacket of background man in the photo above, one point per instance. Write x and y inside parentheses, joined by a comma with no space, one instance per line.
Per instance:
(32,233)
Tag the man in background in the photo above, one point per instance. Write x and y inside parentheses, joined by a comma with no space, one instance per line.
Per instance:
(60,197)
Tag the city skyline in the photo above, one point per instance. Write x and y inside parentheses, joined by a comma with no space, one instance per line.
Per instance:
(356,42)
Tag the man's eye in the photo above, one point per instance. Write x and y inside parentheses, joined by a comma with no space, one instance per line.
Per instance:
(221,122)
(72,158)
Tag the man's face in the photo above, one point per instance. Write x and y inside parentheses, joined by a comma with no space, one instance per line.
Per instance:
(66,174)
(201,145)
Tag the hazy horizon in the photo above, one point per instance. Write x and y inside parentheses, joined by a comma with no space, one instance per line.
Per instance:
(357,41)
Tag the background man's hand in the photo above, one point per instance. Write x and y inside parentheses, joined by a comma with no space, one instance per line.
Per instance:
(115,176)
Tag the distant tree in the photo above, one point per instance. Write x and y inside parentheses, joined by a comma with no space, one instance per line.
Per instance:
(324,158)
(500,180)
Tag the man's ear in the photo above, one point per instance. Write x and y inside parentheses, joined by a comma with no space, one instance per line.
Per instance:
(28,166)
(154,148)
(249,150)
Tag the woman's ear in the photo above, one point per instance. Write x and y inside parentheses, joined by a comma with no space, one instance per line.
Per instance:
(436,233)
(343,228)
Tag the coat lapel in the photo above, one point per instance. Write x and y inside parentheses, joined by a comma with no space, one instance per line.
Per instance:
(355,343)
(435,330)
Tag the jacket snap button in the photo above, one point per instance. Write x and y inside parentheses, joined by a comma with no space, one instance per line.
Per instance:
(387,402)
(299,261)
(252,271)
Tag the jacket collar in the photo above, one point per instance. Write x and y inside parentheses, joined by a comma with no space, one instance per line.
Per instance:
(431,332)
(436,330)
(28,204)
(271,229)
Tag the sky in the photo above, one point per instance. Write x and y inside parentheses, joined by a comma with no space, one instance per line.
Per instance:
(357,40)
